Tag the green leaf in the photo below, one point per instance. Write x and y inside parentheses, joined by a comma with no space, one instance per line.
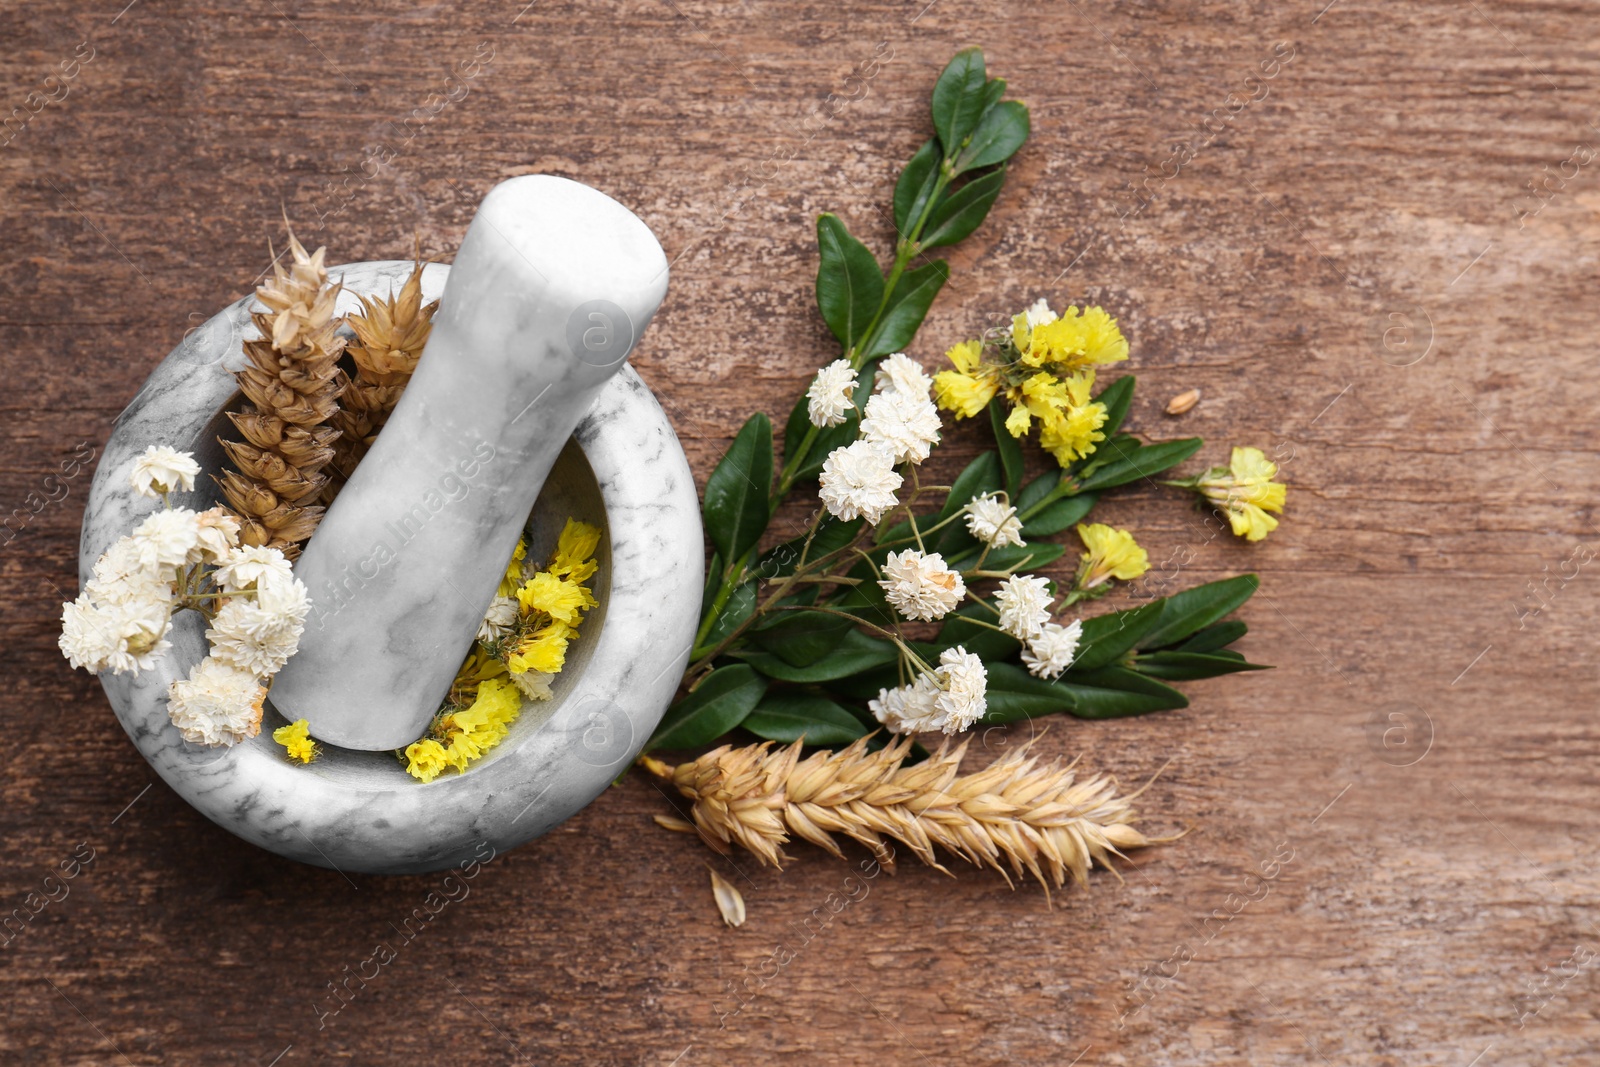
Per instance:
(1107,638)
(908,306)
(856,653)
(866,601)
(721,702)
(1130,465)
(993,92)
(1031,556)
(1184,666)
(1116,692)
(1184,613)
(1215,637)
(1009,448)
(802,637)
(1002,131)
(991,646)
(788,716)
(735,506)
(915,186)
(1015,694)
(1117,397)
(832,534)
(983,475)
(959,97)
(963,210)
(828,437)
(849,283)
(740,606)
(713,583)
(1059,515)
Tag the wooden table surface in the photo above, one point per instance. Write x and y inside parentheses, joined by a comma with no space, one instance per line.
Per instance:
(1377,264)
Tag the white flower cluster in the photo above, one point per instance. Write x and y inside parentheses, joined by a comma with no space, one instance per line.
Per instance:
(1048,647)
(178,558)
(949,698)
(900,425)
(994,522)
(920,586)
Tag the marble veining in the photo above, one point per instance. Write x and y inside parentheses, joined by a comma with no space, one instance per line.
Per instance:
(358,811)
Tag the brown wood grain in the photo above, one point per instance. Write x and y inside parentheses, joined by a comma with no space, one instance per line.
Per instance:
(1378,173)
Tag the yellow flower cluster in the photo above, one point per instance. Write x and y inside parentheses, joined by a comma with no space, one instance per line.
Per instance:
(463,735)
(553,602)
(490,686)
(296,741)
(1045,368)
(1245,491)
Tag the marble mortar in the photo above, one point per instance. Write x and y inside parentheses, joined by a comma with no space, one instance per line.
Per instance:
(623,470)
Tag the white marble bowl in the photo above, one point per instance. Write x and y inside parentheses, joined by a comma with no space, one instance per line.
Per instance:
(623,470)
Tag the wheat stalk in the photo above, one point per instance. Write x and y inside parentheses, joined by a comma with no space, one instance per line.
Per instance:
(292,390)
(390,334)
(1017,815)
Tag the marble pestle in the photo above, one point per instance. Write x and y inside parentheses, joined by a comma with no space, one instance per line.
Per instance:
(553,284)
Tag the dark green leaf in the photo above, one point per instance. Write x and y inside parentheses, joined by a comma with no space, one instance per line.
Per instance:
(801,637)
(915,186)
(993,92)
(866,600)
(1184,666)
(1116,692)
(1015,694)
(736,494)
(832,535)
(857,652)
(788,716)
(1215,637)
(958,629)
(1117,397)
(849,283)
(959,97)
(713,583)
(908,306)
(1009,448)
(983,475)
(1037,489)
(1107,638)
(1002,131)
(718,704)
(1184,613)
(1058,516)
(1145,462)
(1031,557)
(740,606)
(963,210)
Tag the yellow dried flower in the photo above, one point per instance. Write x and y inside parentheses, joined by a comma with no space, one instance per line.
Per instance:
(296,740)
(1245,491)
(1111,554)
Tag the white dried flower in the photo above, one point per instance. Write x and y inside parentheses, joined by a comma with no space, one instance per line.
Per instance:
(163,470)
(859,479)
(1040,314)
(165,538)
(502,613)
(830,397)
(908,709)
(899,373)
(245,567)
(906,424)
(535,685)
(1024,601)
(121,577)
(259,633)
(1050,653)
(216,705)
(920,586)
(994,522)
(963,684)
(217,534)
(125,636)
